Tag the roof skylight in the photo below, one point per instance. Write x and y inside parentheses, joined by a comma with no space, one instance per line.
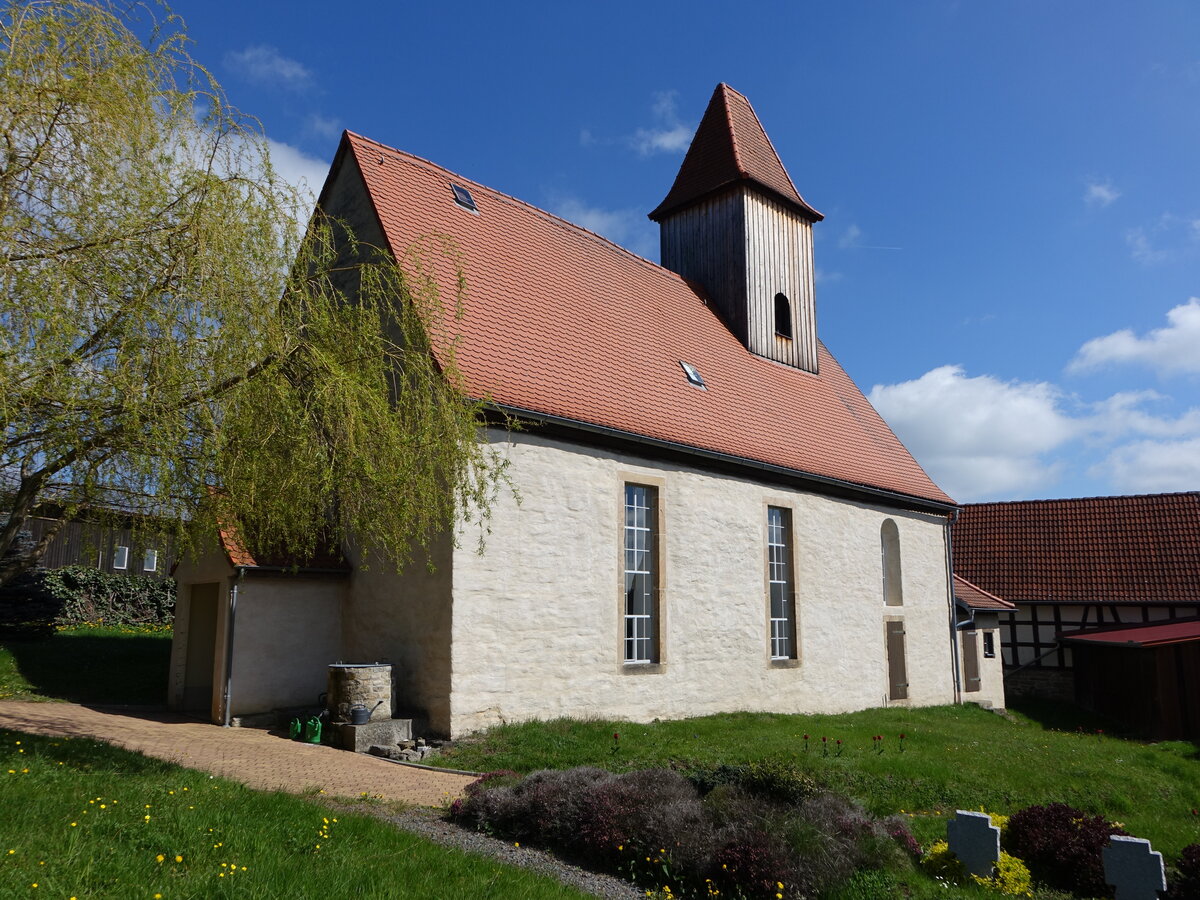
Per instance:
(693,375)
(463,198)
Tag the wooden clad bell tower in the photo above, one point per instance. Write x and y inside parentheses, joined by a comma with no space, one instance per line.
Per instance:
(734,223)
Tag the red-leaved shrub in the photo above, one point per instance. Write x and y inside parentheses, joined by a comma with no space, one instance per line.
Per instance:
(1062,847)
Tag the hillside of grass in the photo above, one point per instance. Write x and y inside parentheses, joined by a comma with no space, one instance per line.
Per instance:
(84,819)
(952,758)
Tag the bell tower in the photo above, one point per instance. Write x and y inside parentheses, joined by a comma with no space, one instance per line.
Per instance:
(734,223)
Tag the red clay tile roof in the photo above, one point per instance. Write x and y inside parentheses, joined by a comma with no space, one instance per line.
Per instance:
(239,556)
(560,321)
(1154,635)
(1141,549)
(731,147)
(976,597)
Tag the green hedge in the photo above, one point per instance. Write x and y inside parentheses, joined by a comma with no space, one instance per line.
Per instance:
(76,595)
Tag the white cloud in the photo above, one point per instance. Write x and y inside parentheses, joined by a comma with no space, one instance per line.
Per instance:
(627,227)
(1153,466)
(323,126)
(823,276)
(978,436)
(984,438)
(850,237)
(669,134)
(265,64)
(1100,193)
(1169,238)
(1172,350)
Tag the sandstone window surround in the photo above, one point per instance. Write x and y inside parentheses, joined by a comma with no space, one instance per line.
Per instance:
(641,575)
(781,587)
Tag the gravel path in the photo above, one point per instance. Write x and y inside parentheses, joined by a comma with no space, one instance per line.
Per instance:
(428,823)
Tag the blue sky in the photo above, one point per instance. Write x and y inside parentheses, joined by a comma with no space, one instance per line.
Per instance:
(1010,260)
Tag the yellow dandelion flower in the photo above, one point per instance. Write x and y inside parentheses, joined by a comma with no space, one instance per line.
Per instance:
(178,859)
(73,824)
(146,818)
(160,857)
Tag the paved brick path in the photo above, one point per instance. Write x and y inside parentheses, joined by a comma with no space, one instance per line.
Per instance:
(248,755)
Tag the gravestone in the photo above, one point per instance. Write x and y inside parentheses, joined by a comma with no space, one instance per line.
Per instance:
(975,841)
(1133,869)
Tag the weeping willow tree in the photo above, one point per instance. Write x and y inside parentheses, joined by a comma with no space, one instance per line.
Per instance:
(170,351)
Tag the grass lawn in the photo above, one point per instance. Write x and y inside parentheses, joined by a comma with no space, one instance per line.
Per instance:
(84,819)
(953,757)
(87,664)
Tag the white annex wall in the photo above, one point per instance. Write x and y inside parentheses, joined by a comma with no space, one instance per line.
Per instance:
(537,627)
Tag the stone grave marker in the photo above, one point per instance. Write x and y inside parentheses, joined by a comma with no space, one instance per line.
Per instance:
(975,841)
(1133,868)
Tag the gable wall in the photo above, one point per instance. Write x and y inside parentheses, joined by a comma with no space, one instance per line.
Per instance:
(405,620)
(537,621)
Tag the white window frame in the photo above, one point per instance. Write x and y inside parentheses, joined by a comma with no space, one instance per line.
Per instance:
(121,557)
(150,560)
(640,575)
(989,645)
(780,582)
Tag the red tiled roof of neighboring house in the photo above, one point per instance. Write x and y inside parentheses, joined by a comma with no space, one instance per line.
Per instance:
(1137,636)
(1142,549)
(730,147)
(977,598)
(561,322)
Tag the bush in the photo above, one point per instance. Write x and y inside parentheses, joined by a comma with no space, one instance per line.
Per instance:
(1062,847)
(774,779)
(1185,880)
(89,595)
(653,827)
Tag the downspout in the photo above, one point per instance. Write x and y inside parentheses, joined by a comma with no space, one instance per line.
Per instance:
(233,595)
(954,662)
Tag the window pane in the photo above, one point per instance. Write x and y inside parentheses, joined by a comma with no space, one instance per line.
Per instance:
(640,574)
(121,558)
(150,561)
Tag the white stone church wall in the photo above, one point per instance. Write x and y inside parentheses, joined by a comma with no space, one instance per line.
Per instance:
(537,621)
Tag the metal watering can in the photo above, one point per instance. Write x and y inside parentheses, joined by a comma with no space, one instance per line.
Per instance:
(360,715)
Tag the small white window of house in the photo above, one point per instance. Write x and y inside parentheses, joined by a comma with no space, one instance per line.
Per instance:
(989,645)
(150,561)
(121,558)
(693,375)
(779,579)
(783,316)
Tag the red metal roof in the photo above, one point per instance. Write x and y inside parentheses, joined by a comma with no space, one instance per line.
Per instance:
(730,147)
(1142,549)
(977,598)
(1177,632)
(560,321)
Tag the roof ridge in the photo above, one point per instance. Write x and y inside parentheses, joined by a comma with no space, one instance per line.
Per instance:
(726,89)
(1162,494)
(422,162)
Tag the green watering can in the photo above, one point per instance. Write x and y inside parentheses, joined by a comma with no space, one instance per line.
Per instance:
(295,729)
(312,731)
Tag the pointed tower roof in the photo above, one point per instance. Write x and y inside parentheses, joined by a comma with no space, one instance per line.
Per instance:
(730,147)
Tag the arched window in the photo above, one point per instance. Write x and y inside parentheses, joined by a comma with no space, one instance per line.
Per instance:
(893,591)
(783,316)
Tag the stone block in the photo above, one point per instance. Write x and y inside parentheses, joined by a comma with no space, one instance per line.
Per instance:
(1133,869)
(385,733)
(975,841)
